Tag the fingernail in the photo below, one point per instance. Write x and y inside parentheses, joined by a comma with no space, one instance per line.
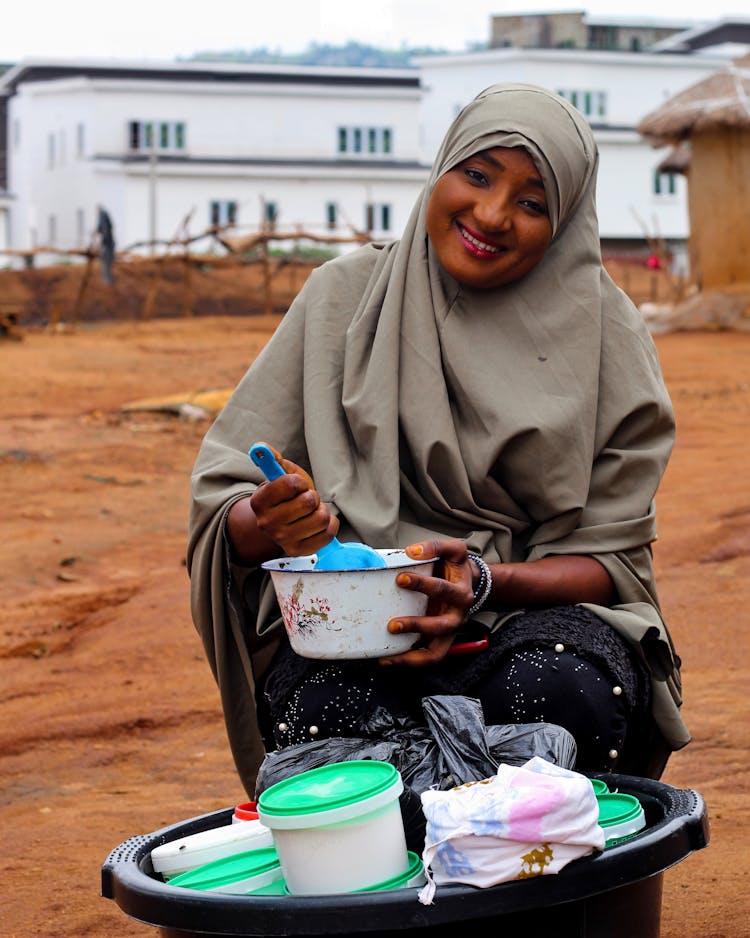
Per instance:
(385,662)
(403,579)
(395,627)
(416,550)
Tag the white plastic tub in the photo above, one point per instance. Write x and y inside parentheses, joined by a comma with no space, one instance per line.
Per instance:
(337,828)
(179,856)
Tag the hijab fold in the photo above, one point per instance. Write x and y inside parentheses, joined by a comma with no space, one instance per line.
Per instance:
(529,420)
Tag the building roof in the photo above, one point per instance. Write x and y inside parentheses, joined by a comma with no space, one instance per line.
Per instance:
(606,19)
(42,69)
(732,29)
(567,55)
(721,100)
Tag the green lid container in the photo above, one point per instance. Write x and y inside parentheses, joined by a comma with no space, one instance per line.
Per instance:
(329,794)
(276,888)
(600,786)
(239,874)
(413,876)
(621,816)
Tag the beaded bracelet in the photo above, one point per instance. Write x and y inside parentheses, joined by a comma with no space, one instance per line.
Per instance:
(483,586)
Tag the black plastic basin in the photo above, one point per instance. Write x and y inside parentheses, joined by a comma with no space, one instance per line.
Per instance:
(613,894)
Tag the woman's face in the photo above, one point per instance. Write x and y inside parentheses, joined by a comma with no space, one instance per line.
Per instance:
(487,218)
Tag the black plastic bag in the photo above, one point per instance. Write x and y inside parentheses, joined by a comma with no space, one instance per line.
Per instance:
(453,748)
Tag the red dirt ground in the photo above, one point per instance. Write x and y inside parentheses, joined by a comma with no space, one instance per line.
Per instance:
(110,723)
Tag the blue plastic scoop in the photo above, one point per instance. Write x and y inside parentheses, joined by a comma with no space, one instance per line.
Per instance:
(335,555)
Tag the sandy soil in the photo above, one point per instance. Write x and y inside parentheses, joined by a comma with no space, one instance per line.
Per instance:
(110,723)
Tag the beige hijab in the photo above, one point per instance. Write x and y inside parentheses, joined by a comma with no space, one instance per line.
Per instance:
(528,420)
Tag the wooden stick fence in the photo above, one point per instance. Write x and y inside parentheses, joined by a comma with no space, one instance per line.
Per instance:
(240,250)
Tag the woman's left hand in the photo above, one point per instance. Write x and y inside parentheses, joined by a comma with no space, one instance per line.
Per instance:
(450,594)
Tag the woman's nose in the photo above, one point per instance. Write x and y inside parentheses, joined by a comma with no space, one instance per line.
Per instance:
(493,212)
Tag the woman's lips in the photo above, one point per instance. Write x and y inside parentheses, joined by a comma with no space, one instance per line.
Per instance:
(475,245)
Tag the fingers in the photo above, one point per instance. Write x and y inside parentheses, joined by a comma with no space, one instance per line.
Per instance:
(450,550)
(449,594)
(290,512)
(452,595)
(428,626)
(422,657)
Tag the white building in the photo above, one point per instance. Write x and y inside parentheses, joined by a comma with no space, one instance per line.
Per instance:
(328,150)
(325,149)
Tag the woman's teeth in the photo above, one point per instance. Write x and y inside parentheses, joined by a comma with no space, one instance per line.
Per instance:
(489,248)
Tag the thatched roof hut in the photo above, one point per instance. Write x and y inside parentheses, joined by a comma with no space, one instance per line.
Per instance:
(712,119)
(721,100)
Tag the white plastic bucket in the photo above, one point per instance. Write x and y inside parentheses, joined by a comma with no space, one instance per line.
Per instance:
(337,828)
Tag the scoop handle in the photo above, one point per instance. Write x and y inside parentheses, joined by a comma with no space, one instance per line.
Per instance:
(265,460)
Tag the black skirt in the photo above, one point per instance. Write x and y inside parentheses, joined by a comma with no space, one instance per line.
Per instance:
(561,665)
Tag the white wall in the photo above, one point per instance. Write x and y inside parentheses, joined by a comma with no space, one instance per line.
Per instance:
(252,120)
(45,183)
(301,197)
(229,128)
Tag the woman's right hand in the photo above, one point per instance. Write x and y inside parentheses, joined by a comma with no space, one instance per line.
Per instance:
(289,512)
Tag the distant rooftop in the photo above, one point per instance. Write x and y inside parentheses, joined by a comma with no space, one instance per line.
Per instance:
(722,32)
(46,69)
(577,29)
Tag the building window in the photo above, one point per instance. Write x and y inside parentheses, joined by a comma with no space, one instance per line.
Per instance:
(374,141)
(665,183)
(589,103)
(223,212)
(271,213)
(156,135)
(331,215)
(378,216)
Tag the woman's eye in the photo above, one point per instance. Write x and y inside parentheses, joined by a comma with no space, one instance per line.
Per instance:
(476,176)
(537,207)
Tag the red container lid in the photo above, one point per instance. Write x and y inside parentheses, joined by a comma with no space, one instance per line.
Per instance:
(246,811)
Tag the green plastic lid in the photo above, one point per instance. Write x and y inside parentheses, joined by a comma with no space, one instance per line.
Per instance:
(399,882)
(328,788)
(600,786)
(616,809)
(276,888)
(240,867)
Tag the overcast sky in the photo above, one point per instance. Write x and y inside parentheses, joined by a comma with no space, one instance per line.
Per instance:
(165,29)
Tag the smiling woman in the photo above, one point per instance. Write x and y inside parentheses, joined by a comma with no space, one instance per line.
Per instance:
(487,218)
(481,394)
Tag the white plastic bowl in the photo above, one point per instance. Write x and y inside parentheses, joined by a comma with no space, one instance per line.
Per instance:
(343,614)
